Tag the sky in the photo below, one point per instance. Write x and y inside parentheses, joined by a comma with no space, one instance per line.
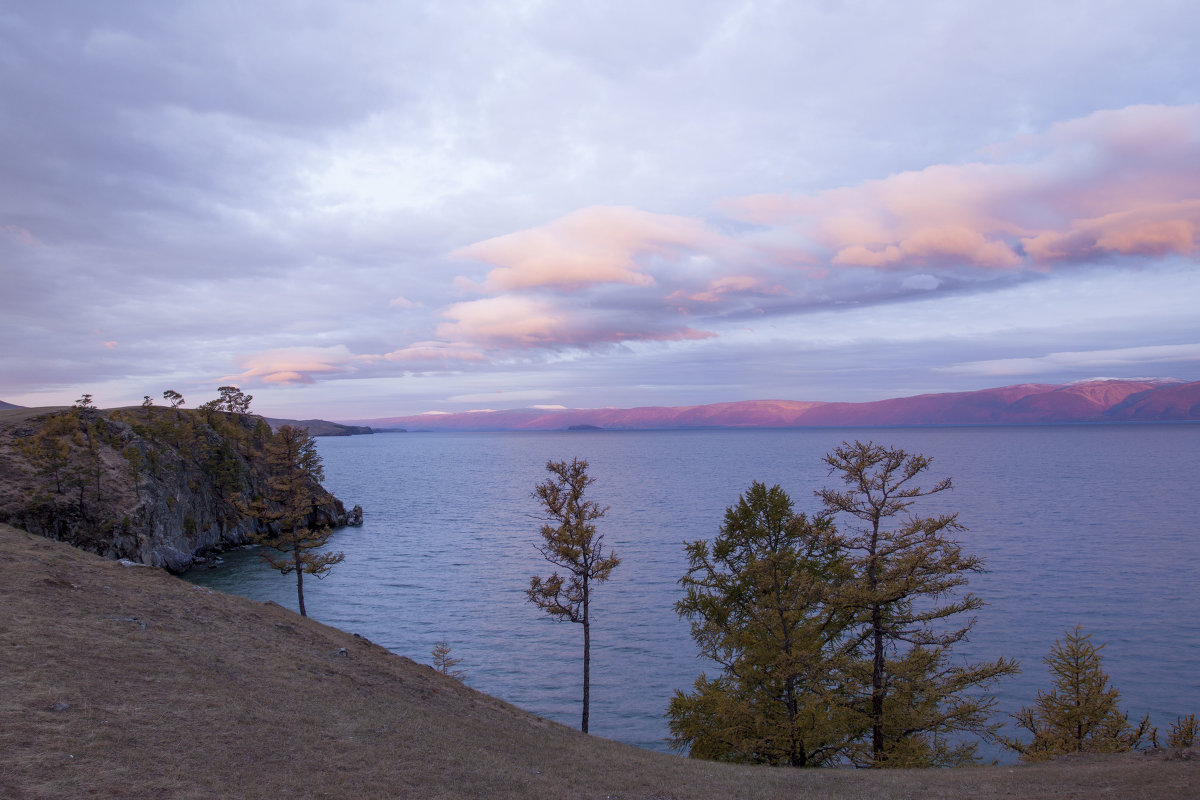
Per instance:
(366,209)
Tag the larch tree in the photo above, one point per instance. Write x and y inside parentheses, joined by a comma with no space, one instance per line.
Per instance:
(444,662)
(762,602)
(287,506)
(570,542)
(906,590)
(1080,715)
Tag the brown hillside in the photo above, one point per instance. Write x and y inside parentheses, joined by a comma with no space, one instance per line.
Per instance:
(123,681)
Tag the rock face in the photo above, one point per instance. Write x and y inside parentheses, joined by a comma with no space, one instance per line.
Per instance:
(155,486)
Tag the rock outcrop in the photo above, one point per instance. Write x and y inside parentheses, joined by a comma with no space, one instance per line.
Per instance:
(155,486)
(320,427)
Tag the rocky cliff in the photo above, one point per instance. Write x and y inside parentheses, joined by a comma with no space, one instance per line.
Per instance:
(154,485)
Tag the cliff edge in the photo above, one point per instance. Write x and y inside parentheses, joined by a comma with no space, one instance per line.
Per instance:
(153,485)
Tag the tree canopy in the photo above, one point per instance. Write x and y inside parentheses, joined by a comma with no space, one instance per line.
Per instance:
(1080,714)
(834,642)
(761,599)
(907,591)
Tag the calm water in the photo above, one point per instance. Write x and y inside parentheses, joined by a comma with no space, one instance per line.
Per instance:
(1092,525)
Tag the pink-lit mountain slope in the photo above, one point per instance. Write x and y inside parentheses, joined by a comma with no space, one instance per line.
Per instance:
(1029,403)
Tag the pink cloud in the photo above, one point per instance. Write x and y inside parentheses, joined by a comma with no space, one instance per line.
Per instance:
(20,235)
(721,288)
(1122,182)
(293,365)
(594,245)
(434,352)
(1154,230)
(520,322)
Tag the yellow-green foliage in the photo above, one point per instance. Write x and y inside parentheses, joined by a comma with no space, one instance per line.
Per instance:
(571,543)
(907,587)
(445,663)
(762,603)
(286,506)
(1183,732)
(835,643)
(1080,714)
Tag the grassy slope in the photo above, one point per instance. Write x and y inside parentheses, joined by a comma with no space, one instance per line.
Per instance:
(121,681)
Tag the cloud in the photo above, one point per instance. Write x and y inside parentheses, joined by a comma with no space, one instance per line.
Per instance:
(401,302)
(595,245)
(1123,182)
(294,365)
(519,322)
(1154,230)
(432,352)
(20,235)
(719,289)
(921,281)
(505,397)
(1086,359)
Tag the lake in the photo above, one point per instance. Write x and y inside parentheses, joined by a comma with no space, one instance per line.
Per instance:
(1082,524)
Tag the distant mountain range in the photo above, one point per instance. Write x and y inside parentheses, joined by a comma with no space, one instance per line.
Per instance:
(1025,404)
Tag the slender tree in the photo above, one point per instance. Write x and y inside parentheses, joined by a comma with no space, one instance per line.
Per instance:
(908,577)
(286,508)
(445,663)
(570,542)
(762,601)
(1080,715)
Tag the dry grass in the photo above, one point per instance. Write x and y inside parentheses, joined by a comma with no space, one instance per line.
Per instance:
(125,682)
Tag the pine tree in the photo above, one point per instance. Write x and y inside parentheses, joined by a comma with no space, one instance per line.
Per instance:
(906,584)
(762,601)
(570,541)
(295,471)
(174,398)
(1080,714)
(234,400)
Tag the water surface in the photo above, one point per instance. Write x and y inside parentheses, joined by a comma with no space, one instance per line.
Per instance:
(1085,524)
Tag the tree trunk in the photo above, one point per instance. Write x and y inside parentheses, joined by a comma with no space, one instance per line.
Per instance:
(877,687)
(299,573)
(877,667)
(796,754)
(587,660)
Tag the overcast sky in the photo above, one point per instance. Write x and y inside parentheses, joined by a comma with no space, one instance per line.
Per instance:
(361,209)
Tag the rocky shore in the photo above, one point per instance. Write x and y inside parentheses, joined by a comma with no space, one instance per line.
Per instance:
(156,486)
